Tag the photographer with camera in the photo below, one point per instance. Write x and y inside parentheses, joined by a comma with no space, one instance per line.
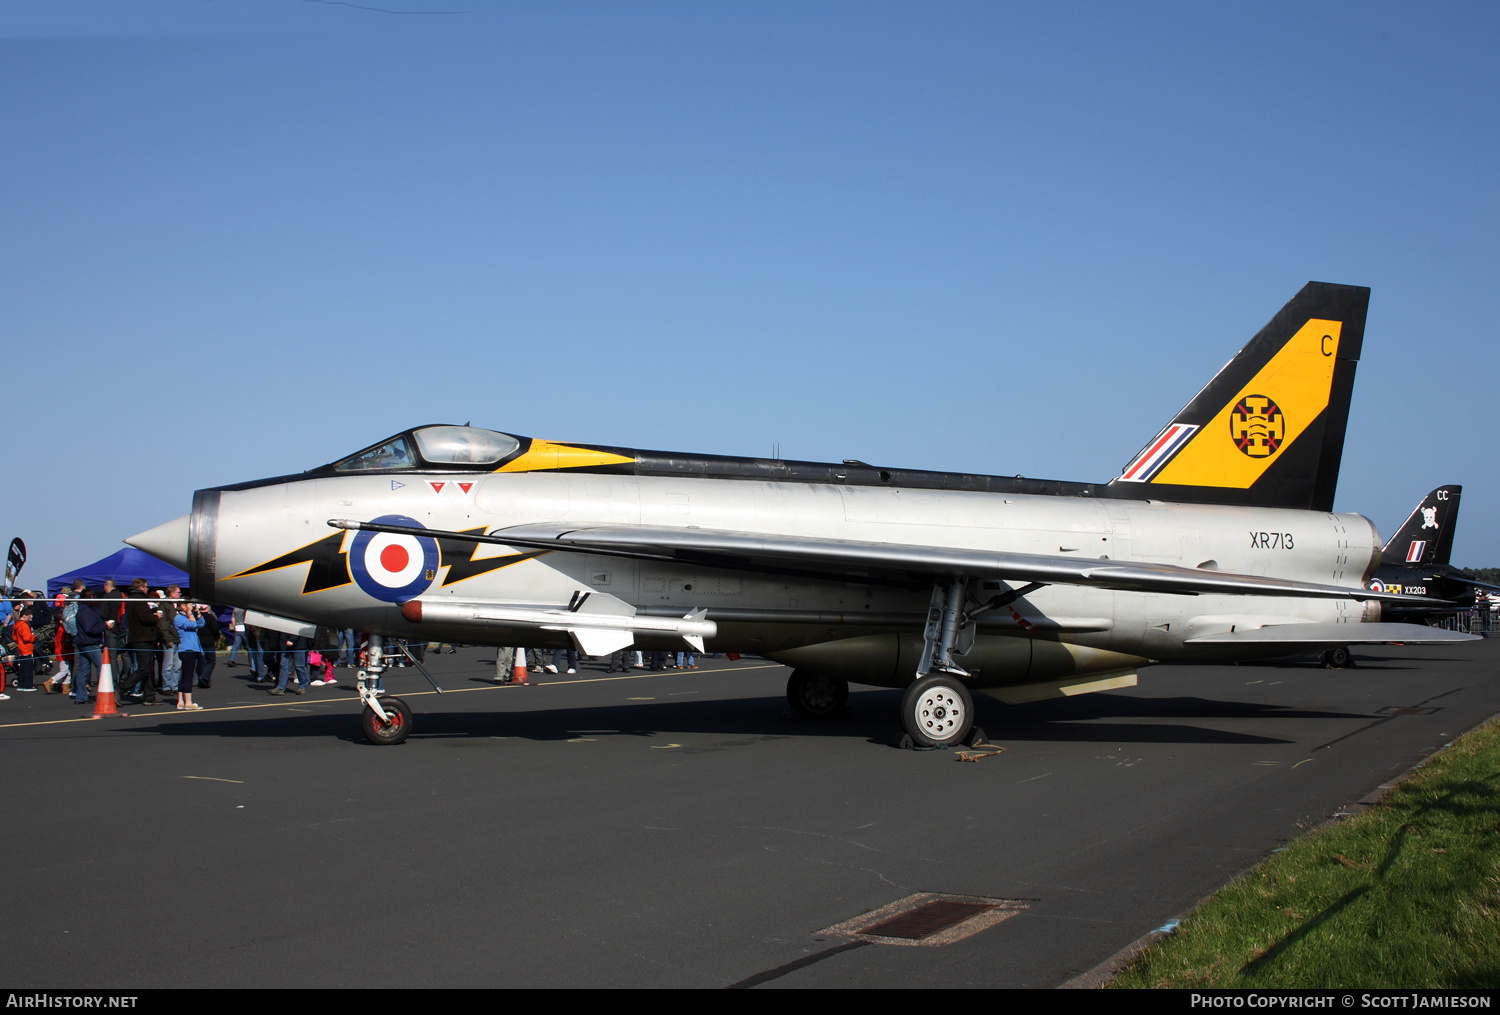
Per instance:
(188,622)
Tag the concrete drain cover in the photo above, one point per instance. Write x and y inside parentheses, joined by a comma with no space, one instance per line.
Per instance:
(928,919)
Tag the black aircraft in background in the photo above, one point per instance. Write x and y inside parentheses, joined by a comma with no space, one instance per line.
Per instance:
(1415,563)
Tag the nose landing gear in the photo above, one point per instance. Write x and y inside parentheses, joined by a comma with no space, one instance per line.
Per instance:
(385,720)
(396,726)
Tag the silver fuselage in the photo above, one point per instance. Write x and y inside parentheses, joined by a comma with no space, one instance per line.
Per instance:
(866,633)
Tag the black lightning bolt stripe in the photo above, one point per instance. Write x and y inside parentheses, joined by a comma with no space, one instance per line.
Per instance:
(458,555)
(329,567)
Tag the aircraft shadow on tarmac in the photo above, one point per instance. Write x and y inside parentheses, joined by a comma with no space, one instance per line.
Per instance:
(872,718)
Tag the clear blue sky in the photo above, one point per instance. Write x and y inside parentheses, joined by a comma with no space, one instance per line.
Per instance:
(238,240)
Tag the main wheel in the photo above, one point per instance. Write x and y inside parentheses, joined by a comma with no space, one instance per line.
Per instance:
(937,711)
(1338,658)
(393,732)
(815,696)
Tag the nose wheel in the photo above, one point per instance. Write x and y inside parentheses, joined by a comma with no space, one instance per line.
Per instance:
(395,728)
(937,711)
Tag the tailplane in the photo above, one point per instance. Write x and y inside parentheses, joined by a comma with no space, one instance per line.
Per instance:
(1426,539)
(1268,430)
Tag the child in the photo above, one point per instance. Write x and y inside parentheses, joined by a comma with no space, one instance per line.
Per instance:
(25,646)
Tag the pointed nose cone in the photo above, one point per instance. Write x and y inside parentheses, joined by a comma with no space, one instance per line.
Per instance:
(168,542)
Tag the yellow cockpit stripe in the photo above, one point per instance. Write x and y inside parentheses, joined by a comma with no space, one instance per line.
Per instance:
(546,455)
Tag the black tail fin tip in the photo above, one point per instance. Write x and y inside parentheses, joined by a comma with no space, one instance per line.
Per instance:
(1268,430)
(1426,538)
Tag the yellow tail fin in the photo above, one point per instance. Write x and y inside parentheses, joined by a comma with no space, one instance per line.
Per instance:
(1269,428)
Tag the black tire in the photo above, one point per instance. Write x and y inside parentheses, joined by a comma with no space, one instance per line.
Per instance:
(816,696)
(1338,658)
(937,711)
(386,734)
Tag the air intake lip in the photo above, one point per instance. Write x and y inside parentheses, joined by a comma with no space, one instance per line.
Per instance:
(203,544)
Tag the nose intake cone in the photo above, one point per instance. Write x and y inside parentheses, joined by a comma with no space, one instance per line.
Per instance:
(168,542)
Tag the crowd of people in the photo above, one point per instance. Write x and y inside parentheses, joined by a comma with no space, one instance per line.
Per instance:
(160,646)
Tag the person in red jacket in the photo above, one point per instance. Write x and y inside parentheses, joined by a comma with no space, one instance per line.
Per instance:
(25,646)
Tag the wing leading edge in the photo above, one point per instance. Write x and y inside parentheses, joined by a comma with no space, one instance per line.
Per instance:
(879,563)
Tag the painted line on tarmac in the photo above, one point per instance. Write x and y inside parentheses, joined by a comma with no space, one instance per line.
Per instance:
(297,701)
(163,715)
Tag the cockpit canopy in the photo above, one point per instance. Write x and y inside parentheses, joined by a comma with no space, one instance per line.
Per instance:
(463,447)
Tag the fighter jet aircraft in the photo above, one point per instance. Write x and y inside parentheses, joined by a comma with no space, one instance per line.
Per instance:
(1415,564)
(1217,541)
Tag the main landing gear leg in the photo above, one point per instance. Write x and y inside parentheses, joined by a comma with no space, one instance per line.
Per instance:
(937,709)
(385,720)
(944,620)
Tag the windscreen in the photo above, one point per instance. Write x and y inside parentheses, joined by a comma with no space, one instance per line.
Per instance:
(393,454)
(464,445)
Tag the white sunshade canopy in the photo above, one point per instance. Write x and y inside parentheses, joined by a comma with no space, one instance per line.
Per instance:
(464,445)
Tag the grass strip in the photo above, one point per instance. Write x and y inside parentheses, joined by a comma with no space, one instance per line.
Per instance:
(1406,895)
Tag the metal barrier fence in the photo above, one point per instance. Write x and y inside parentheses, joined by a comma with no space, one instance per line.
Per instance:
(1485,622)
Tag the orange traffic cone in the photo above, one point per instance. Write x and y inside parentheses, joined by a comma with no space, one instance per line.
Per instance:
(104,700)
(518,674)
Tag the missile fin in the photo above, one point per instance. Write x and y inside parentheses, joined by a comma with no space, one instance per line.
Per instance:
(695,640)
(594,642)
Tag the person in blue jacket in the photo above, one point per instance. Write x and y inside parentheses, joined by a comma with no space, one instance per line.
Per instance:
(87,645)
(189,621)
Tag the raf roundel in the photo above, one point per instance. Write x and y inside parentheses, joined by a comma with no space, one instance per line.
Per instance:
(393,568)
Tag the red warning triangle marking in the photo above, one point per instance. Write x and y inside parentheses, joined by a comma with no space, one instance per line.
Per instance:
(436,487)
(466,487)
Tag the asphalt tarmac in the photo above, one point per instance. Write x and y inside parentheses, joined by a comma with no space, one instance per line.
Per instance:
(669,829)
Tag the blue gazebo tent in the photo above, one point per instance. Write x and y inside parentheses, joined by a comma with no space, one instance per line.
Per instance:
(124,567)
